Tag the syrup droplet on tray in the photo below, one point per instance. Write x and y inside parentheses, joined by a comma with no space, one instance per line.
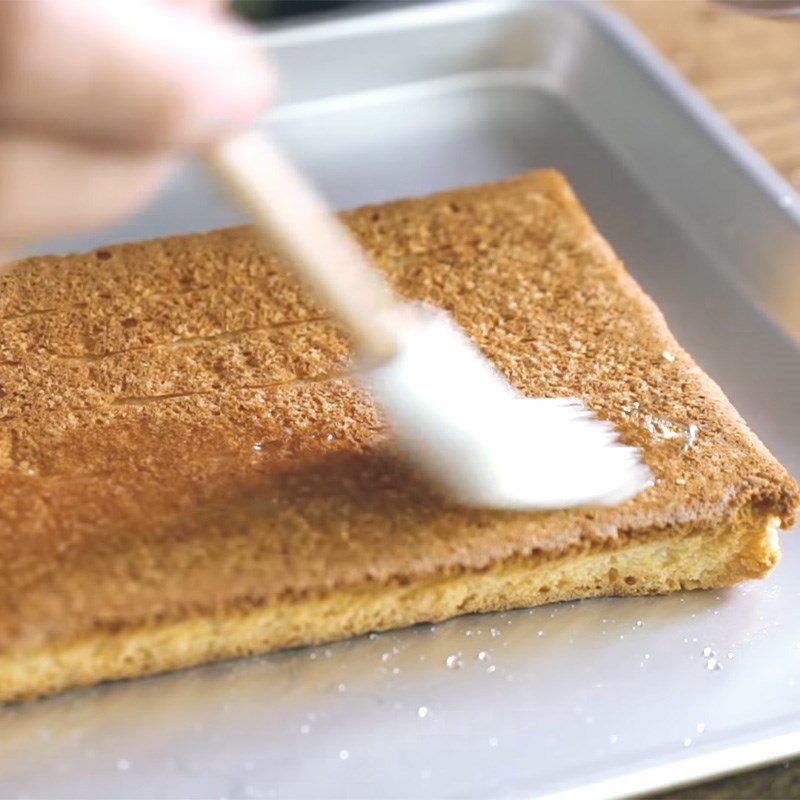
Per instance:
(712,662)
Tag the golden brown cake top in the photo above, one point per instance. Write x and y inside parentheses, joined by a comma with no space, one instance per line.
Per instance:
(177,436)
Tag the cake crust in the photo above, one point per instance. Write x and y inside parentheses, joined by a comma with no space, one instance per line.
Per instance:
(180,448)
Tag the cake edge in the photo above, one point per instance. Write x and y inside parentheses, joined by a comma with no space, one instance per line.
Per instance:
(680,557)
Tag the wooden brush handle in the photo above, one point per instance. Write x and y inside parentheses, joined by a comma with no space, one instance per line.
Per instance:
(293,217)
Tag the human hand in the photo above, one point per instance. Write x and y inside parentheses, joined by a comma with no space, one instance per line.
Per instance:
(98,97)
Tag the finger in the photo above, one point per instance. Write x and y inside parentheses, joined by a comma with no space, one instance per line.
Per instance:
(127,72)
(51,186)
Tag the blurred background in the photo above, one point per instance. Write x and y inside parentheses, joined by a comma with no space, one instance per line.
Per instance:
(259,10)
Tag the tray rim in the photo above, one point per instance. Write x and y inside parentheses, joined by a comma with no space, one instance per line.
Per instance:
(686,772)
(742,752)
(605,19)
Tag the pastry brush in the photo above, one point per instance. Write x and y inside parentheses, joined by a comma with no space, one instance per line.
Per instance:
(452,412)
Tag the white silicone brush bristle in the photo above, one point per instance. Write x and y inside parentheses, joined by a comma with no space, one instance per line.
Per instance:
(458,418)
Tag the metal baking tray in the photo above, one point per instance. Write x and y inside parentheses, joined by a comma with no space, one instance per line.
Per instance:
(602,698)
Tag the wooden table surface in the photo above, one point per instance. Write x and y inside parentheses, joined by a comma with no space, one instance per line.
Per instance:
(749,69)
